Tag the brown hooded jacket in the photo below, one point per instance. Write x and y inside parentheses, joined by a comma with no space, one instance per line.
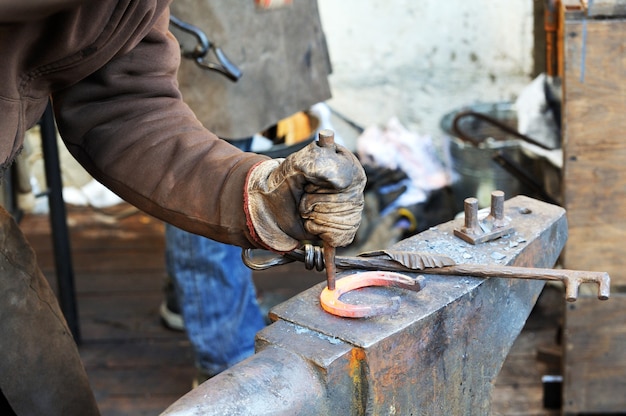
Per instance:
(110,68)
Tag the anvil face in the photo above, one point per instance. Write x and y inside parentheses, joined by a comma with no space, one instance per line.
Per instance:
(438,354)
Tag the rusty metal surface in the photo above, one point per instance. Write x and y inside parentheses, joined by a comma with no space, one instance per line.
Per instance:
(537,243)
(438,354)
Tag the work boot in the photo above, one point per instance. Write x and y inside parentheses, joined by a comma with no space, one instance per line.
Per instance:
(200,377)
(169,310)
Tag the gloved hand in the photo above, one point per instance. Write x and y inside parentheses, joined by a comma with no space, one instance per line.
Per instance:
(315,193)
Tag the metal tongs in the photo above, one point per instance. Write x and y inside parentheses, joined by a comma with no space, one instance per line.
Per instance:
(427,263)
(200,52)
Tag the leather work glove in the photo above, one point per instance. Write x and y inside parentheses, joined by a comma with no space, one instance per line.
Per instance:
(315,193)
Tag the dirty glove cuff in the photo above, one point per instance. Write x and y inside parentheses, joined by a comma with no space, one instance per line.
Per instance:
(261,222)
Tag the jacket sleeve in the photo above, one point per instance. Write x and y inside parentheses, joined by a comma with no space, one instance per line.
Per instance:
(128,126)
(29,10)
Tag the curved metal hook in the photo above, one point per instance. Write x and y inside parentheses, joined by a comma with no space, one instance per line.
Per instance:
(259,265)
(312,257)
(461,134)
(225,65)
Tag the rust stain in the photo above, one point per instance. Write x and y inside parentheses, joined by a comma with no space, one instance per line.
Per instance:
(357,356)
(357,368)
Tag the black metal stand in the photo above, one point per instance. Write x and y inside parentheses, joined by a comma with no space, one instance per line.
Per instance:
(58,223)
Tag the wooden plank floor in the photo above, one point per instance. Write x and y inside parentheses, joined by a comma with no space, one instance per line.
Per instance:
(137,367)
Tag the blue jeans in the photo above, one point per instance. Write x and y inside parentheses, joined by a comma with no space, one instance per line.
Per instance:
(216,295)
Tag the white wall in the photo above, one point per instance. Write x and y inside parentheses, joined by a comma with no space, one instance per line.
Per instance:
(418,59)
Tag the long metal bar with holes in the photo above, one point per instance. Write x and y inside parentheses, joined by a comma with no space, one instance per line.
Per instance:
(438,354)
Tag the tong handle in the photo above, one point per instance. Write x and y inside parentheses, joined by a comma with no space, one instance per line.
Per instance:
(571,279)
(224,66)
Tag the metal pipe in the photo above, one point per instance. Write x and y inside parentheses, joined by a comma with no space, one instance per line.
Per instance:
(58,223)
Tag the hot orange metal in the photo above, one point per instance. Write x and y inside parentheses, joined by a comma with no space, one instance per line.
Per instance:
(331,303)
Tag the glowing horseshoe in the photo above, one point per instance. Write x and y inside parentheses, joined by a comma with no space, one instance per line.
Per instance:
(330,302)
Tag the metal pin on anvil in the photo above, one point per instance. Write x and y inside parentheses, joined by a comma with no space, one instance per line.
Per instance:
(496,216)
(471,226)
(494,226)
